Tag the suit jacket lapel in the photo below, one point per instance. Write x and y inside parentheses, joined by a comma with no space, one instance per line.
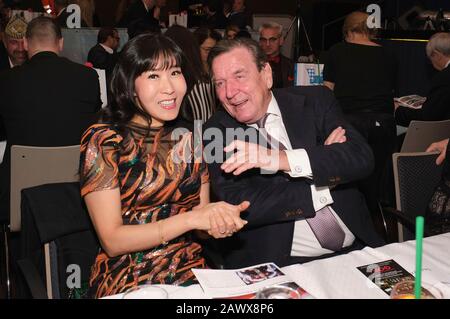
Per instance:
(293,113)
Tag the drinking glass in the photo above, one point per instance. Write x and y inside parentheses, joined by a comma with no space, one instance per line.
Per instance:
(405,290)
(278,292)
(146,292)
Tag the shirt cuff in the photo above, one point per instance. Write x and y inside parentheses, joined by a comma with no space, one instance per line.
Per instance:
(321,197)
(299,163)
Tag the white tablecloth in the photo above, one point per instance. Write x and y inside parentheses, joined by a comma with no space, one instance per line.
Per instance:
(338,277)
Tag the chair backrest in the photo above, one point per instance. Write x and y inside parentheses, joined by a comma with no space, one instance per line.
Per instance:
(416,175)
(33,166)
(421,134)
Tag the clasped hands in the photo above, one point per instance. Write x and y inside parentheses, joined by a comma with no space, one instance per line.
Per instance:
(250,155)
(220,219)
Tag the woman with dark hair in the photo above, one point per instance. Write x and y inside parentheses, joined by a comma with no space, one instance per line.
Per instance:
(144,191)
(201,98)
(206,39)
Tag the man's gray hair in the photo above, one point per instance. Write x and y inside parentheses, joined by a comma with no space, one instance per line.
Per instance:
(272,25)
(225,46)
(439,42)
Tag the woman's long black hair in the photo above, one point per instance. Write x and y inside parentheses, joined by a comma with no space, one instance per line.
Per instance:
(143,53)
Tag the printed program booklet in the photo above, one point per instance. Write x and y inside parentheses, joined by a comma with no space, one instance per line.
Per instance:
(245,283)
(411,101)
(385,274)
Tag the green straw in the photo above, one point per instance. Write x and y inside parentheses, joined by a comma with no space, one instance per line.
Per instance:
(419,239)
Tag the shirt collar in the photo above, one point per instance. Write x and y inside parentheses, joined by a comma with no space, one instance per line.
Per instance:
(272,109)
(10,63)
(448,63)
(107,49)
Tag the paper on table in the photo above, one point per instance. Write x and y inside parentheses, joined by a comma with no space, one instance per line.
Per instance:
(338,277)
(244,282)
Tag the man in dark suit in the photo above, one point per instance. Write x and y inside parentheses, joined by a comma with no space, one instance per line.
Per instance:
(12,51)
(103,55)
(141,10)
(271,40)
(437,104)
(313,157)
(239,15)
(48,101)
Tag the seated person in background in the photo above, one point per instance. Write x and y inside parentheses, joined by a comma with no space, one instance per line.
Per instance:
(230,32)
(144,197)
(437,104)
(271,41)
(12,51)
(239,15)
(362,75)
(104,54)
(48,101)
(206,40)
(311,168)
(201,97)
(214,12)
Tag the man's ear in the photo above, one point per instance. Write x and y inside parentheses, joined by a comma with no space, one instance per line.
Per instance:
(61,44)
(281,40)
(266,72)
(25,44)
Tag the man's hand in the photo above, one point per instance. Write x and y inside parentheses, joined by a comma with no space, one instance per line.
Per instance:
(440,147)
(250,155)
(337,136)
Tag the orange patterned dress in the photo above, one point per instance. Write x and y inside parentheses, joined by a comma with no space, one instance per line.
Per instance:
(154,184)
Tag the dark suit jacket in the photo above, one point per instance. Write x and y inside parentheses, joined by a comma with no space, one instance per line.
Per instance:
(101,59)
(135,12)
(4,61)
(4,65)
(241,19)
(437,105)
(48,101)
(309,114)
(283,72)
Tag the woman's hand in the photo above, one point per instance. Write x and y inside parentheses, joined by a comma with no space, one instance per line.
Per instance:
(219,219)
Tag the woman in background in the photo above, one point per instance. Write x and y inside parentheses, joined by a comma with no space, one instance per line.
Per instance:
(144,191)
(201,98)
(206,39)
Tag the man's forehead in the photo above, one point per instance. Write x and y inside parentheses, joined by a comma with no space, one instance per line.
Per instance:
(12,40)
(269,32)
(232,61)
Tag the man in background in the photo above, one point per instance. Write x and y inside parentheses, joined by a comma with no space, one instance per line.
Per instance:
(271,40)
(48,101)
(437,105)
(104,54)
(12,51)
